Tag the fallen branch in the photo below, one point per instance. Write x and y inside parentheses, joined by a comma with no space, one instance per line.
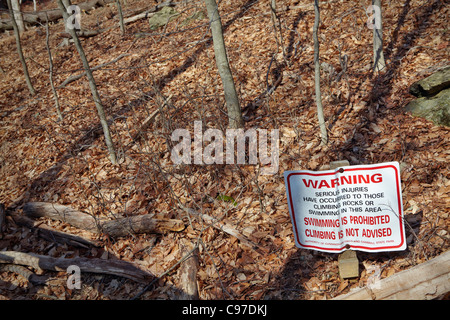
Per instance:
(83,33)
(141,224)
(111,267)
(143,15)
(225,227)
(147,287)
(132,12)
(114,228)
(78,76)
(24,272)
(52,235)
(62,213)
(148,13)
(427,280)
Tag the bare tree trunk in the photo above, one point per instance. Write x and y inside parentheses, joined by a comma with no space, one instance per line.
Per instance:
(93,86)
(378,57)
(113,228)
(55,94)
(95,265)
(277,28)
(323,129)
(121,24)
(17,15)
(235,120)
(19,49)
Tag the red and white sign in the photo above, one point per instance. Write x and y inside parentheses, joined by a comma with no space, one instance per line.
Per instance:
(353,207)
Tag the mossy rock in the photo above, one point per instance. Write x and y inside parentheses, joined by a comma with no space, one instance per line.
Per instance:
(162,17)
(436,108)
(431,85)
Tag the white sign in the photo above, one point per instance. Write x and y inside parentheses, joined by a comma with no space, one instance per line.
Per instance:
(353,207)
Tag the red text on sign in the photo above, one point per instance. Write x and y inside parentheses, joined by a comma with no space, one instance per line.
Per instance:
(343,180)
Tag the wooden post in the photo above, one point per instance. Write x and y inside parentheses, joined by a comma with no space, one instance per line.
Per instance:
(348,261)
(427,280)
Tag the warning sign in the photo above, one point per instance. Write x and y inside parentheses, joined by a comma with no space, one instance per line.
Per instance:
(353,207)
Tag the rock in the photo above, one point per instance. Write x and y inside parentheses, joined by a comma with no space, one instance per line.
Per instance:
(434,98)
(162,17)
(433,84)
(435,108)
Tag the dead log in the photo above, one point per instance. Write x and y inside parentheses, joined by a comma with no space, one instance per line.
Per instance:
(141,224)
(427,280)
(188,274)
(83,33)
(53,235)
(112,267)
(148,286)
(62,213)
(147,13)
(114,228)
(143,15)
(134,12)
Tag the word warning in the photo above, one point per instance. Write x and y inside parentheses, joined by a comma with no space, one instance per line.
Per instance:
(353,207)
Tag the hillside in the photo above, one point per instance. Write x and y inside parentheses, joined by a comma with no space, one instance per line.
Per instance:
(173,69)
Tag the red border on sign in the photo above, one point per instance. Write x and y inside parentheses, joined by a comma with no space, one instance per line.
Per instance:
(350,246)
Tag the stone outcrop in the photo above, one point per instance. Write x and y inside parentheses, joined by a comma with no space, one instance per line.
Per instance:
(433,102)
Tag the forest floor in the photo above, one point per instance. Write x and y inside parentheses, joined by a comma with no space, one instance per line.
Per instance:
(66,162)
